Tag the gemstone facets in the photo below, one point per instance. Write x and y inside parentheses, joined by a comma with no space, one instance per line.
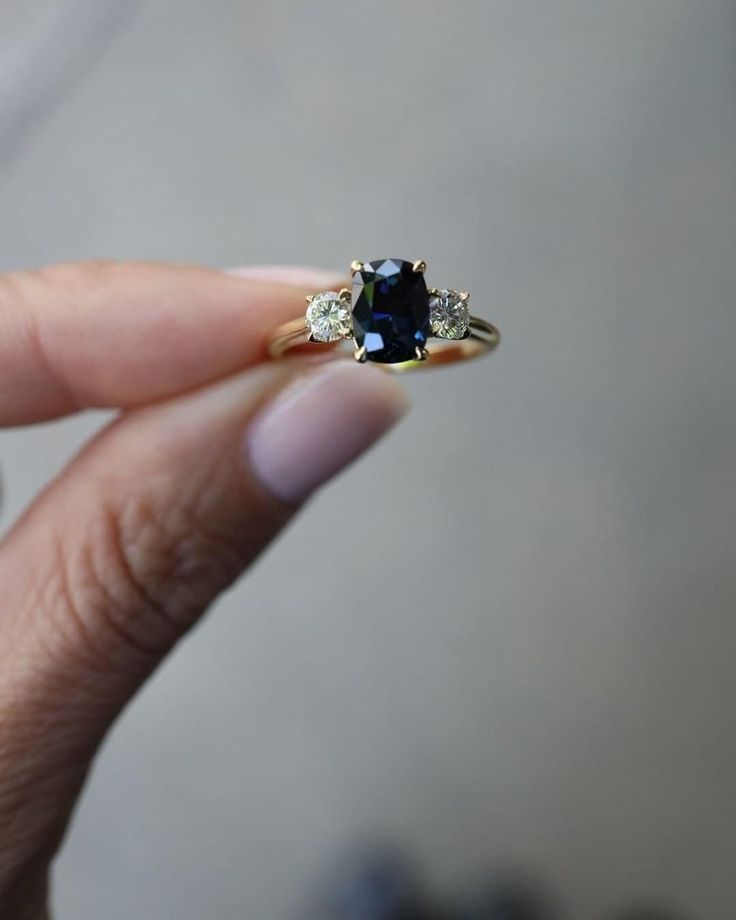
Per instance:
(328,317)
(390,310)
(449,314)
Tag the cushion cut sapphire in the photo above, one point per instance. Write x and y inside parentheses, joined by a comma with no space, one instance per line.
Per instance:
(390,310)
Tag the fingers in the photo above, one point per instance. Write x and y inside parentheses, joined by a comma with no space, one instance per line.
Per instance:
(128,547)
(123,334)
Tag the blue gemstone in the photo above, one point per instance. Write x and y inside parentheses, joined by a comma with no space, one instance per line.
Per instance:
(390,310)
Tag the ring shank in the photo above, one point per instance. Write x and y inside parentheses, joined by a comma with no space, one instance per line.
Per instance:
(483,338)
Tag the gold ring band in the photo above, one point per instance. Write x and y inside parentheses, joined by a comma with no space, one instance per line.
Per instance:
(390,314)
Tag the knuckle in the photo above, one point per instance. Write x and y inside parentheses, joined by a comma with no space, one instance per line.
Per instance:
(37,299)
(144,573)
(40,287)
(176,559)
(35,286)
(72,276)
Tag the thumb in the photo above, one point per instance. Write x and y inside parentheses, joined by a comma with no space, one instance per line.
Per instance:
(128,547)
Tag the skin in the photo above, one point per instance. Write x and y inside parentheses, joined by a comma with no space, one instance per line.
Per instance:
(131,543)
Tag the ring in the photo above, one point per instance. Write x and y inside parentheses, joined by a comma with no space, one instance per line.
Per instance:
(390,314)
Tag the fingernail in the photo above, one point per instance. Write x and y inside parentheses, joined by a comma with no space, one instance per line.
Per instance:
(319,424)
(297,275)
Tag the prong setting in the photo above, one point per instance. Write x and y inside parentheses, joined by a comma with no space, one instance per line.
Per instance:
(361,354)
(420,266)
(356,266)
(421,353)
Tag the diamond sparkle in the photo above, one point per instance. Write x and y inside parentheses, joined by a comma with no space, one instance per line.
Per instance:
(328,317)
(449,314)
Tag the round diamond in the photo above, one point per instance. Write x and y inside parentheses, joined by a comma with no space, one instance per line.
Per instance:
(449,314)
(328,317)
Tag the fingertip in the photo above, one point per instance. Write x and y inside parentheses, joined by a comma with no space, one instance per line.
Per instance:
(319,424)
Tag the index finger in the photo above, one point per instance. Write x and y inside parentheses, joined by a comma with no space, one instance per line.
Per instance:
(109,334)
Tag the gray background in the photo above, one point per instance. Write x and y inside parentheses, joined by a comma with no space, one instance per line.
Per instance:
(506,638)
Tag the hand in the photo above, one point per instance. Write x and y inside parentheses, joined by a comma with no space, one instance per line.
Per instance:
(211,455)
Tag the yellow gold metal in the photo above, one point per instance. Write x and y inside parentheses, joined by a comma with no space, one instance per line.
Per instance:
(421,353)
(356,266)
(419,266)
(481,339)
(361,354)
(344,293)
(464,296)
(310,298)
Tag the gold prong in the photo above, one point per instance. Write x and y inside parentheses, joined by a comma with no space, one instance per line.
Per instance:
(356,266)
(311,338)
(419,266)
(310,298)
(464,296)
(433,292)
(344,293)
(421,353)
(361,354)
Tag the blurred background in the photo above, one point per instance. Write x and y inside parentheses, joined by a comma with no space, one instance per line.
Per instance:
(518,653)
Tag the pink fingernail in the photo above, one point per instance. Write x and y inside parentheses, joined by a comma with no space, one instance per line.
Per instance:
(319,424)
(318,279)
